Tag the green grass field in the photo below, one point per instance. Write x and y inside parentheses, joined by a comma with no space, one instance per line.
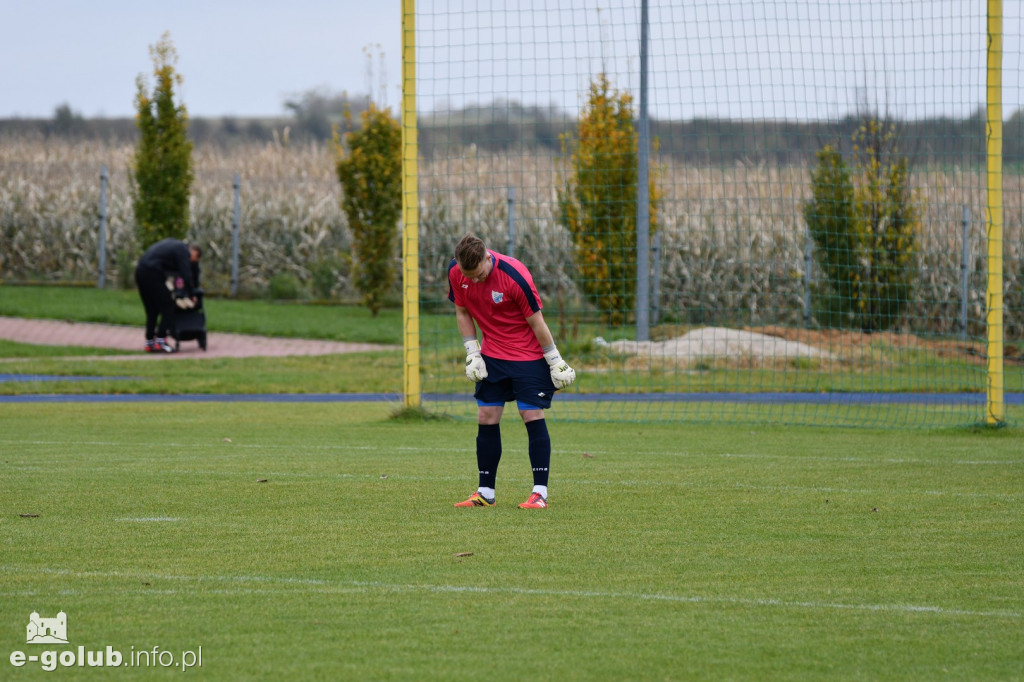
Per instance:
(669,552)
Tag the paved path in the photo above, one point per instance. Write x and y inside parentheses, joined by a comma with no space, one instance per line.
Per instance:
(219,345)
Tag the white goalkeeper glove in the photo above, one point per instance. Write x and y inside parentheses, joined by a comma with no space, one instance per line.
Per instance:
(476,369)
(561,373)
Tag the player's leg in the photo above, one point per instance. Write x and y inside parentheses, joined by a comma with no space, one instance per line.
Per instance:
(540,455)
(491,396)
(534,391)
(488,454)
(488,446)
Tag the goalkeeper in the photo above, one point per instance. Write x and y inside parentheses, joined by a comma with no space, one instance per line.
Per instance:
(517,359)
(173,261)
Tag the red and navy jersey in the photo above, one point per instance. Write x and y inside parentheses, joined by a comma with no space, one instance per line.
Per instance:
(500,305)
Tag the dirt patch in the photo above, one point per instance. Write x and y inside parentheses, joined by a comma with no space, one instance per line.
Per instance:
(721,342)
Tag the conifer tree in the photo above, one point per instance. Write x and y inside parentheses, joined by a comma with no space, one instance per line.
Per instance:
(369,166)
(865,224)
(162,163)
(597,202)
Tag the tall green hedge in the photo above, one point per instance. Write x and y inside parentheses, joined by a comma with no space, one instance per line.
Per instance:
(865,226)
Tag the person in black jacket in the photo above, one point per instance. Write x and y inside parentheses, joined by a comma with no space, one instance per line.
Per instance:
(170,258)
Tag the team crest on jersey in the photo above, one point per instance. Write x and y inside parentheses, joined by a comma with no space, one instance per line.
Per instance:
(497,296)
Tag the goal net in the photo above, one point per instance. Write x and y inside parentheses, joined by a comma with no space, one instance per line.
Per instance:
(817,240)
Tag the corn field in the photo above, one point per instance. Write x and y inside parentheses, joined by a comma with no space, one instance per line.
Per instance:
(731,245)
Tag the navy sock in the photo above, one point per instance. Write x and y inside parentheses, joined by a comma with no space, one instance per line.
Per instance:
(540,450)
(488,453)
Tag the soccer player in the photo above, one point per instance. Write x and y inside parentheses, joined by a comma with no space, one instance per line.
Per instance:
(517,360)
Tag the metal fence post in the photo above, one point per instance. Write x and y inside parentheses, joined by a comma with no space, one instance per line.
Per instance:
(656,279)
(807,280)
(102,283)
(235,224)
(643,207)
(963,273)
(512,222)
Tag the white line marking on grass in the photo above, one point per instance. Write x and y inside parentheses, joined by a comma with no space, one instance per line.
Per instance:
(151,519)
(227,446)
(862,491)
(866,459)
(328,586)
(290,447)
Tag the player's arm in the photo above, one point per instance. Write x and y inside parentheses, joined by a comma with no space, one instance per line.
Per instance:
(561,373)
(540,329)
(476,369)
(467,327)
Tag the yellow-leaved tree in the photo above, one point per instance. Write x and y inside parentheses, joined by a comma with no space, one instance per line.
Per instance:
(369,166)
(598,200)
(162,162)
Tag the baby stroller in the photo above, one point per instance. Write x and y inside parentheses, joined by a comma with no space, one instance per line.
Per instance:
(187,324)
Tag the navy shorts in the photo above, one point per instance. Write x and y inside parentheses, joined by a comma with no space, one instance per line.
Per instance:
(528,382)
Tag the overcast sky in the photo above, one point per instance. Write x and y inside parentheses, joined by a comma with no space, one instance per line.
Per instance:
(793,59)
(237,58)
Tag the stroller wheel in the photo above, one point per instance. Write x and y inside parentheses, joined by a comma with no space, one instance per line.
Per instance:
(202,341)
